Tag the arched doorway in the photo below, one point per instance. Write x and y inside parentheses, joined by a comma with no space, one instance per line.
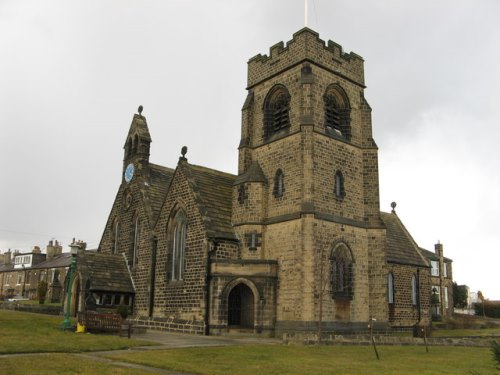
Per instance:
(75,297)
(240,304)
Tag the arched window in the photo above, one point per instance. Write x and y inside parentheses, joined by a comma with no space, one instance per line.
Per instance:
(276,109)
(413,290)
(390,288)
(342,276)
(178,245)
(135,243)
(115,236)
(279,184)
(129,147)
(339,185)
(337,112)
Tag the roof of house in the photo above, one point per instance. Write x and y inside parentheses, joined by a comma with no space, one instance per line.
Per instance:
(106,272)
(213,193)
(401,248)
(61,260)
(432,255)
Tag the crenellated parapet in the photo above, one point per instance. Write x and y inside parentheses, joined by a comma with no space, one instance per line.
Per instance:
(306,45)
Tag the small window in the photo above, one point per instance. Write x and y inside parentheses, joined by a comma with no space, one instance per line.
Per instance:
(390,288)
(414,290)
(445,297)
(107,299)
(434,268)
(242,194)
(445,269)
(279,184)
(339,185)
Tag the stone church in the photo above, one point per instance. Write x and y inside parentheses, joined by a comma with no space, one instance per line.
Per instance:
(294,239)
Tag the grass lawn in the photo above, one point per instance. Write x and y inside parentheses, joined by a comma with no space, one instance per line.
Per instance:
(309,360)
(22,332)
(49,364)
(465,332)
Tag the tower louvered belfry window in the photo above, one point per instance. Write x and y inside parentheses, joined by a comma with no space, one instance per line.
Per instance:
(276,111)
(337,112)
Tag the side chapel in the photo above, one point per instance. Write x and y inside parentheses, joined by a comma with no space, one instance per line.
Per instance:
(296,237)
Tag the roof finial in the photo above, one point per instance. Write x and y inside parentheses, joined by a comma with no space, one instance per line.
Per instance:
(140,110)
(184,151)
(393,205)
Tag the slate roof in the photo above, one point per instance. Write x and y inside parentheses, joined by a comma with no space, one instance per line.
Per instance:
(61,260)
(156,191)
(106,272)
(254,173)
(6,267)
(213,192)
(432,255)
(401,248)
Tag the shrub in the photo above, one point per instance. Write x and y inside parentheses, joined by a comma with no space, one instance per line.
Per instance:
(42,292)
(122,310)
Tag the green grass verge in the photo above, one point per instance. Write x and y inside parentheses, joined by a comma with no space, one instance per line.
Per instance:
(465,332)
(49,364)
(309,360)
(22,332)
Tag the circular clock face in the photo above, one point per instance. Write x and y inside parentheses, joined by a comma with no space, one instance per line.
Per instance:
(129,172)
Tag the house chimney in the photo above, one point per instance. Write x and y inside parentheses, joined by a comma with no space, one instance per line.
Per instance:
(7,257)
(53,249)
(438,249)
(36,250)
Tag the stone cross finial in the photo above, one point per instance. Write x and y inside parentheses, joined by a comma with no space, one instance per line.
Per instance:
(184,151)
(140,110)
(393,205)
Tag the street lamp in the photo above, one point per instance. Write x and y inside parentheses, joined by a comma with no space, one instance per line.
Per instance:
(70,276)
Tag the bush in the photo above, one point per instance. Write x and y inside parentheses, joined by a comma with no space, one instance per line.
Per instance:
(491,309)
(42,292)
(122,310)
(495,349)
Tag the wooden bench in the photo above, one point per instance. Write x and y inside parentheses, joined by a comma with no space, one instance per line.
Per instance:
(100,322)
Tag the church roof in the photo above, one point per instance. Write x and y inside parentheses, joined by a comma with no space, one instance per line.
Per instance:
(401,247)
(106,272)
(213,192)
(156,191)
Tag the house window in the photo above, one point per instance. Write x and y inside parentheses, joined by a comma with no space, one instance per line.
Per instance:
(339,185)
(445,297)
(390,287)
(179,246)
(342,280)
(279,184)
(276,109)
(414,290)
(19,278)
(135,244)
(337,112)
(434,268)
(445,269)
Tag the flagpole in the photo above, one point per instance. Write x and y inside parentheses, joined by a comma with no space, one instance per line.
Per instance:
(305,12)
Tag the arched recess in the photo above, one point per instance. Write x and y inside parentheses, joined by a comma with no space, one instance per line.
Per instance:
(76,305)
(342,279)
(276,110)
(337,112)
(241,297)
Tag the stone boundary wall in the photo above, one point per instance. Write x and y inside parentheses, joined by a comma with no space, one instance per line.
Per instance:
(193,327)
(312,339)
(38,309)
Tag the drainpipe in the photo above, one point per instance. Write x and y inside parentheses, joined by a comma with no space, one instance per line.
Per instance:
(153,276)
(207,283)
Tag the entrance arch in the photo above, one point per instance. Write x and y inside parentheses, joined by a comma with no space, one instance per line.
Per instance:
(241,307)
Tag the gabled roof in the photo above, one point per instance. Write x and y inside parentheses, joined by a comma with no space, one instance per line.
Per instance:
(213,193)
(432,255)
(401,248)
(254,173)
(156,191)
(106,272)
(61,260)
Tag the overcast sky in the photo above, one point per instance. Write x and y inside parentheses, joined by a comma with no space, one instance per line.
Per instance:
(72,73)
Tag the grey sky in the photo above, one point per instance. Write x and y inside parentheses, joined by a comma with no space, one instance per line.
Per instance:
(72,74)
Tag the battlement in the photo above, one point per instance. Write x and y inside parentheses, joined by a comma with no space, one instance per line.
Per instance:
(306,45)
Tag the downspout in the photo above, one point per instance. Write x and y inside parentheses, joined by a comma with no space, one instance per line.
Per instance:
(153,276)
(207,283)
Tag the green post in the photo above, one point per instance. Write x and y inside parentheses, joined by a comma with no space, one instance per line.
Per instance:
(71,274)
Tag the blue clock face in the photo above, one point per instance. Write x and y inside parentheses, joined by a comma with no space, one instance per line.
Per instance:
(129,172)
